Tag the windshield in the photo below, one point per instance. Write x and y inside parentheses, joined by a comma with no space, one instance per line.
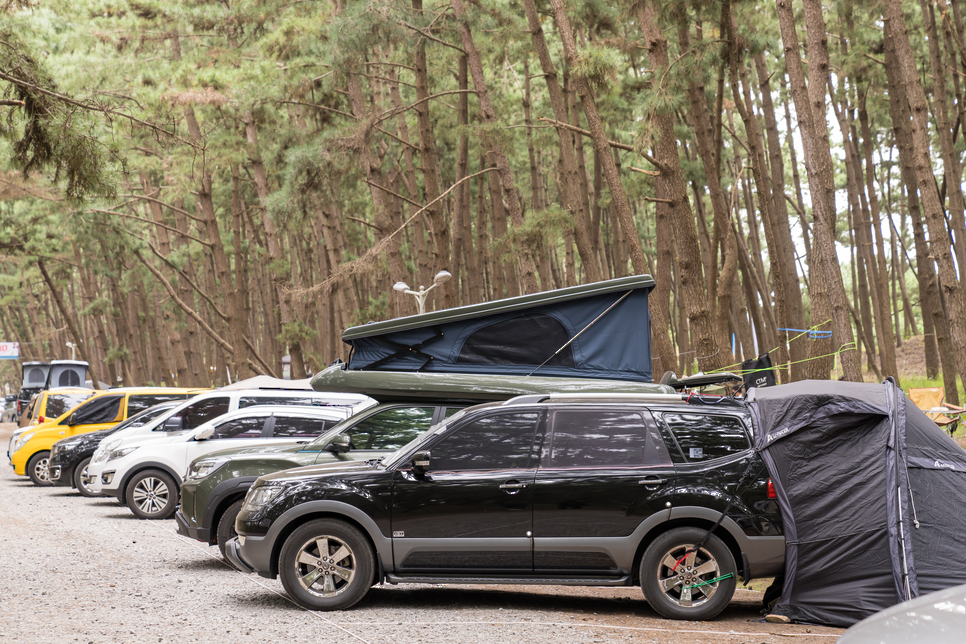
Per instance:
(439,428)
(143,418)
(59,404)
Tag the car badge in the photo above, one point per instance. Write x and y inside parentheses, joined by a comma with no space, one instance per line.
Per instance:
(398,534)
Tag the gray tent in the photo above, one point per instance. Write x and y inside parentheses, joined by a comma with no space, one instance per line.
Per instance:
(872,494)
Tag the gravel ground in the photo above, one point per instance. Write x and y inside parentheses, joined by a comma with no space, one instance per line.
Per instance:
(86,570)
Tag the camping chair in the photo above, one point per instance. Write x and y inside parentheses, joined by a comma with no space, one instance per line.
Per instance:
(931,400)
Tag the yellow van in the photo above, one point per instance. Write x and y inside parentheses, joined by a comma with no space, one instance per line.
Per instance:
(105,409)
(52,403)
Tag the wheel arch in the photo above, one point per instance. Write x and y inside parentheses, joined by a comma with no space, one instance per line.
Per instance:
(332,510)
(143,467)
(700,520)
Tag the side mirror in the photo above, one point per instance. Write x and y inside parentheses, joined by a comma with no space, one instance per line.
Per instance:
(174,424)
(339,444)
(204,434)
(421,461)
(71,419)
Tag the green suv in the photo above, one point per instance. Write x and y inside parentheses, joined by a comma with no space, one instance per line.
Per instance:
(410,403)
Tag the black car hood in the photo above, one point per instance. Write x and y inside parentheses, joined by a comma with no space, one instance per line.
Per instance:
(325,470)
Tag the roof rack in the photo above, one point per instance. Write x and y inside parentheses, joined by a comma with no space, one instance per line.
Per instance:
(664,399)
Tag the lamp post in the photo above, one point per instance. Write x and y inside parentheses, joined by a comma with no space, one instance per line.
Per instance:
(420,295)
(73,350)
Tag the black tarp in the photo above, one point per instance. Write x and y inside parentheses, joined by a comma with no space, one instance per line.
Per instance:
(871,493)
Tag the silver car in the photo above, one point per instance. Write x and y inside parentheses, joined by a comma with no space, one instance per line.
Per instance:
(937,618)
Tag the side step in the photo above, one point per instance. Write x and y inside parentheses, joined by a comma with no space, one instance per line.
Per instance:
(531,581)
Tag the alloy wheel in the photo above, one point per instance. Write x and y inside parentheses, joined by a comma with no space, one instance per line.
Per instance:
(325,566)
(688,577)
(150,495)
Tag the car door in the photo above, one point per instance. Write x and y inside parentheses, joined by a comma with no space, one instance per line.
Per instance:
(236,432)
(602,473)
(470,511)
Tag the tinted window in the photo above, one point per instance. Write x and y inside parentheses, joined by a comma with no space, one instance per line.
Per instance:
(240,428)
(60,404)
(141,419)
(249,401)
(390,428)
(494,442)
(294,427)
(595,438)
(202,411)
(100,410)
(137,404)
(703,437)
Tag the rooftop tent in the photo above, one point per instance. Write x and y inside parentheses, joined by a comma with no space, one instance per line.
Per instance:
(34,374)
(66,373)
(606,323)
(870,492)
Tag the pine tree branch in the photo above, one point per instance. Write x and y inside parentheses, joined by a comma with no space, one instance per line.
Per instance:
(614,144)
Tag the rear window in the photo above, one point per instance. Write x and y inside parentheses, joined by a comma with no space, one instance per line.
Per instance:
(139,402)
(296,427)
(60,404)
(250,401)
(596,439)
(703,437)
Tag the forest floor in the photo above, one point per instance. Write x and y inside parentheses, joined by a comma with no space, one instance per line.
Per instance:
(86,570)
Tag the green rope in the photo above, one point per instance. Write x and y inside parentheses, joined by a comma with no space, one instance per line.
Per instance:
(712,581)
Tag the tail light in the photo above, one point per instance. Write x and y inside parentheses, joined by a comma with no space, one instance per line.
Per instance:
(41,419)
(771,490)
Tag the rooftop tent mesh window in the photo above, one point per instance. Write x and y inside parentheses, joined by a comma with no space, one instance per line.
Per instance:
(525,339)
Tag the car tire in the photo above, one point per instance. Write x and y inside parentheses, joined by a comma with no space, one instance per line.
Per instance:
(37,468)
(680,584)
(340,558)
(152,494)
(226,526)
(80,476)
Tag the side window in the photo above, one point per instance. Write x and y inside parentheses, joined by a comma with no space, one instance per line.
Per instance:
(296,427)
(99,410)
(240,428)
(450,411)
(138,403)
(249,401)
(203,411)
(703,437)
(493,442)
(595,438)
(390,428)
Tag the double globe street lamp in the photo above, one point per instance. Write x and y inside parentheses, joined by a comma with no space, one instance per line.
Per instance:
(420,295)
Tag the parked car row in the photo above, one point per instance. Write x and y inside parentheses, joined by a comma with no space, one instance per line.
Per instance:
(483,479)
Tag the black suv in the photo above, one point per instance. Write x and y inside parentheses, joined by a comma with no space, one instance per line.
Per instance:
(661,491)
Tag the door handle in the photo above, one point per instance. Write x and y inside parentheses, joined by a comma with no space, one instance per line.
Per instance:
(652,481)
(513,486)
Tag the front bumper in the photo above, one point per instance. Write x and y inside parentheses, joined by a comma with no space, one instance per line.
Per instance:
(251,554)
(187,530)
(232,551)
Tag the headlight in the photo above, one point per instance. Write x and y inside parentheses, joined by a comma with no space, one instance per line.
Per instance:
(258,497)
(23,440)
(107,446)
(120,453)
(203,468)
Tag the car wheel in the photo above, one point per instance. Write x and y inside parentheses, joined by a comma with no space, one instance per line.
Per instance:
(81,480)
(226,526)
(152,495)
(682,583)
(37,468)
(326,564)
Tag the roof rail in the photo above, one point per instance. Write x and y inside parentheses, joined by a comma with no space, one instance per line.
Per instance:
(599,397)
